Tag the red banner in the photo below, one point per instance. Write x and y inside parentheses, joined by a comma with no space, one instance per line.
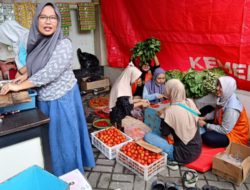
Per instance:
(197,34)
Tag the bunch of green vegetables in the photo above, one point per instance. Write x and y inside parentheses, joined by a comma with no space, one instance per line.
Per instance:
(197,83)
(174,74)
(193,81)
(145,50)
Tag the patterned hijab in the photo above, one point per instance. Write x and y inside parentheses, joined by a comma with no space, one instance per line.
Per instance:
(40,48)
(152,85)
(122,85)
(178,118)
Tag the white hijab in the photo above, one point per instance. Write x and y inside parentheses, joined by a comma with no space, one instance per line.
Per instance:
(228,85)
(13,34)
(178,118)
(122,85)
(229,98)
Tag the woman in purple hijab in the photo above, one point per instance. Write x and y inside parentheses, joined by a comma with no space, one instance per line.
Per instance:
(49,69)
(154,89)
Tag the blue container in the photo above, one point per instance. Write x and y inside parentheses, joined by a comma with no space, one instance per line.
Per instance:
(22,106)
(34,178)
(152,119)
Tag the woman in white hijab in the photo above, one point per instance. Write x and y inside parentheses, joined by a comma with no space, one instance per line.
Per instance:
(230,117)
(16,36)
(180,120)
(121,100)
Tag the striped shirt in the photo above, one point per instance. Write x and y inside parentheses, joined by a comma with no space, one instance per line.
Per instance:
(57,77)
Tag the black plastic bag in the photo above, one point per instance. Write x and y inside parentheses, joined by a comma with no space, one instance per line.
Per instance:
(87,60)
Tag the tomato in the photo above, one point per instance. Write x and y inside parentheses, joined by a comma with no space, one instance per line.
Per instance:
(154,105)
(165,102)
(140,154)
(99,102)
(111,136)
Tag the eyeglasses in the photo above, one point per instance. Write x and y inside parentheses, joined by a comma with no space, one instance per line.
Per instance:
(45,18)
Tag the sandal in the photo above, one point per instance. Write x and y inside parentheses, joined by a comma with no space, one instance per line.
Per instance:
(190,177)
(209,187)
(172,165)
(171,186)
(158,185)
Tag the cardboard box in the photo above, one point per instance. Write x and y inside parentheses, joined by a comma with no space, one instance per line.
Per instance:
(34,178)
(233,164)
(103,83)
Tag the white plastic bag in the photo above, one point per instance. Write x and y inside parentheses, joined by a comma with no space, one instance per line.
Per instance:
(135,128)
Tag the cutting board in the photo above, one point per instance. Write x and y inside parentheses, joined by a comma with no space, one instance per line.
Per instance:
(14,98)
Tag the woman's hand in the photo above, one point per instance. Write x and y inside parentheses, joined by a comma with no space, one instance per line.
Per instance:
(141,102)
(201,122)
(145,104)
(145,101)
(160,96)
(157,63)
(9,87)
(20,78)
(18,74)
(139,82)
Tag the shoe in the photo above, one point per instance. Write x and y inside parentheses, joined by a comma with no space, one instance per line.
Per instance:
(172,165)
(158,185)
(190,177)
(171,186)
(193,188)
(209,187)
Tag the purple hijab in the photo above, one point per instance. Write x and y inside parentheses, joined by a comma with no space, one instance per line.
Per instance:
(40,48)
(152,86)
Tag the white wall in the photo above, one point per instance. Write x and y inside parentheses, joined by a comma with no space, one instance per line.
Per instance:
(82,40)
(244,96)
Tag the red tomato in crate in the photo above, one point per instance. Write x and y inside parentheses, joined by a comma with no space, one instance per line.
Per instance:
(111,136)
(140,154)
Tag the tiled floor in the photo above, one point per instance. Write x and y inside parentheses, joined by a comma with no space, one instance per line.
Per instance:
(111,175)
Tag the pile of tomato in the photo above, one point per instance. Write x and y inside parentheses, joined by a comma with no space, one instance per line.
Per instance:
(165,102)
(140,154)
(99,102)
(111,136)
(102,123)
(154,105)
